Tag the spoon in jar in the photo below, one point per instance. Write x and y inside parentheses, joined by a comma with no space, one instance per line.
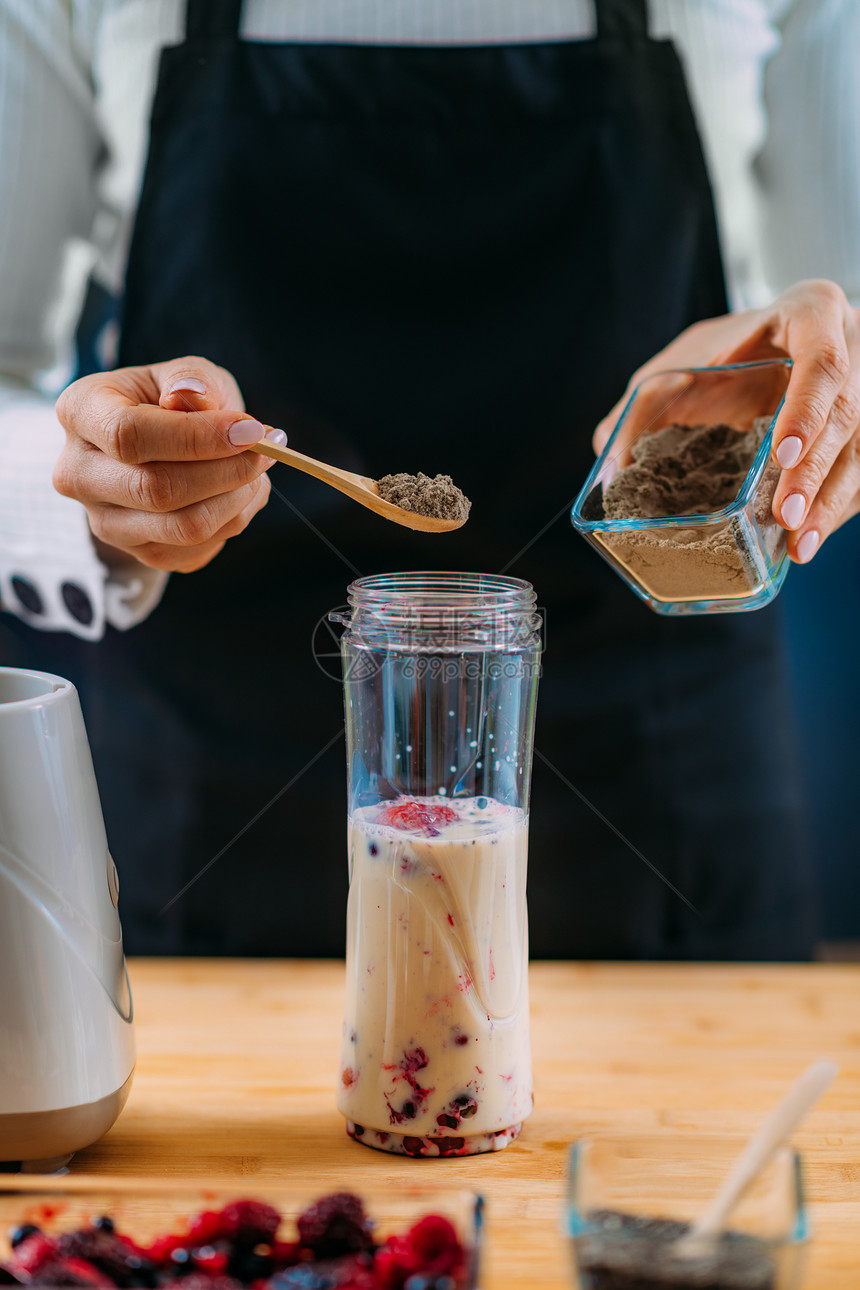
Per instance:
(777,1127)
(358,487)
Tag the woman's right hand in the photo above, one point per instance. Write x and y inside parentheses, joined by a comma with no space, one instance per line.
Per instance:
(156,455)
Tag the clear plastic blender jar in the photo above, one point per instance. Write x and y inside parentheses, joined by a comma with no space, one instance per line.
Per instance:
(440,675)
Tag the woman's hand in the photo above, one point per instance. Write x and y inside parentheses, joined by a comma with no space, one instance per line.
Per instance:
(817,434)
(155,454)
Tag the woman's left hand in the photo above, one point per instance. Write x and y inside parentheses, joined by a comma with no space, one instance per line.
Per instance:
(817,433)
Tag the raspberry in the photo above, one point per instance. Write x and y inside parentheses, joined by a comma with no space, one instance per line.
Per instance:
(394,1262)
(284,1252)
(34,1251)
(161,1249)
(336,1224)
(212,1259)
(204,1227)
(436,1244)
(418,817)
(424,1256)
(249,1222)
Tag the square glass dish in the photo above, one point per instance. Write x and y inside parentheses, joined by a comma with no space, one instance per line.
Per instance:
(418,1236)
(629,1200)
(685,517)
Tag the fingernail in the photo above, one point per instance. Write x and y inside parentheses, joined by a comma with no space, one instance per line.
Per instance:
(277,436)
(186,383)
(241,433)
(807,546)
(788,452)
(792,510)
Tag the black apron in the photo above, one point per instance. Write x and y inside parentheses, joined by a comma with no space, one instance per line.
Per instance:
(439,259)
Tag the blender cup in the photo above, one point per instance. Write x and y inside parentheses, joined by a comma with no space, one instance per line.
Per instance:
(440,678)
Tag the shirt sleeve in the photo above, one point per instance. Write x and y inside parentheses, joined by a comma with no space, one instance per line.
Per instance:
(809,166)
(50,151)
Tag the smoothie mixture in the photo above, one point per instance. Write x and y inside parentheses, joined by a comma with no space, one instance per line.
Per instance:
(436,1057)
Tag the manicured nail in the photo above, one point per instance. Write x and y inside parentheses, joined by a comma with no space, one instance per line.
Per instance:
(792,510)
(277,436)
(788,452)
(187,383)
(241,433)
(807,546)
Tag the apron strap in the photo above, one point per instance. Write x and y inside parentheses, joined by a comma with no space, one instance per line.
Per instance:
(212,19)
(622,19)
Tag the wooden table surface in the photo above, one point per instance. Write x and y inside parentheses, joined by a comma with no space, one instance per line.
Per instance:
(237,1062)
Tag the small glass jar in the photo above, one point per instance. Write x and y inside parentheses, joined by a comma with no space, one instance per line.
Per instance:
(440,678)
(630,1198)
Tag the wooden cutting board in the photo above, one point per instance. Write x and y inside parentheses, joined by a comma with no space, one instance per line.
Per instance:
(238,1061)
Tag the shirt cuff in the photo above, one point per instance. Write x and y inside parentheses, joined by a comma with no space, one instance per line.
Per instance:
(51,576)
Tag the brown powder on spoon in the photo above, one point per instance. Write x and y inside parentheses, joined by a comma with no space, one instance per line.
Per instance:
(438,498)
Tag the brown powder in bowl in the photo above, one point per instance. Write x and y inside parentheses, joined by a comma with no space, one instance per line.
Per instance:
(439,498)
(692,470)
(683,470)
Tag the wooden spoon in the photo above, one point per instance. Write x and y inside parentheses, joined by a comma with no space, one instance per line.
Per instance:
(778,1125)
(358,487)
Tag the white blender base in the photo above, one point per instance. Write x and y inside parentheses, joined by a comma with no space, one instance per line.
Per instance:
(45,1141)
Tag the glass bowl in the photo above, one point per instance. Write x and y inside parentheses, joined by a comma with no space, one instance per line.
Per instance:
(145,1210)
(618,1187)
(727,557)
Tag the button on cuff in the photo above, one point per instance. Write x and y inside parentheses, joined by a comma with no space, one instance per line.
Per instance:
(27,594)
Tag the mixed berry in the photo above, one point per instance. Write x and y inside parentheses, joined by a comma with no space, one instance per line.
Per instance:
(428,818)
(238,1246)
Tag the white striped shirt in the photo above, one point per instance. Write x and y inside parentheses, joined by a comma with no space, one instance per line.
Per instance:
(775,89)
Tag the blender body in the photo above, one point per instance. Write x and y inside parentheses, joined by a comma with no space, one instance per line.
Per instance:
(66,1036)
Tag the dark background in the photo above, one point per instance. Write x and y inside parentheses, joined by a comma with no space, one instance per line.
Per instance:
(822,607)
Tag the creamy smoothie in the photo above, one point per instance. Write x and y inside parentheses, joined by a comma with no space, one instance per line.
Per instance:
(436,1057)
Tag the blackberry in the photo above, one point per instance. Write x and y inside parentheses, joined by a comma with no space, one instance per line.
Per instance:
(72,1272)
(33,1253)
(103,1249)
(336,1224)
(249,1222)
(103,1223)
(201,1281)
(139,1272)
(307,1276)
(247,1266)
(19,1234)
